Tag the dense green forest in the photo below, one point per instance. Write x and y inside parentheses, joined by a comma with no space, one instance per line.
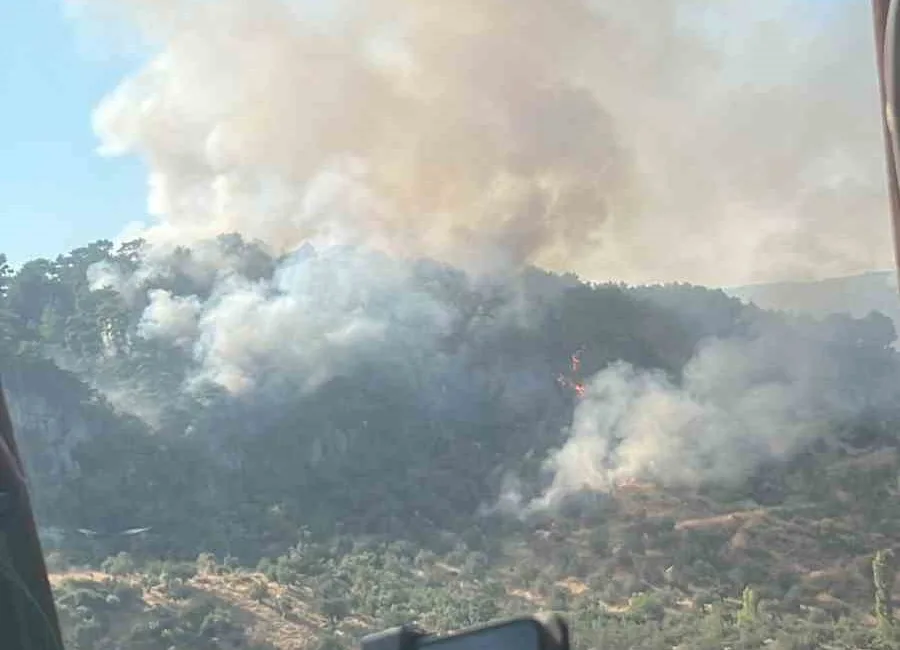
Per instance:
(339,441)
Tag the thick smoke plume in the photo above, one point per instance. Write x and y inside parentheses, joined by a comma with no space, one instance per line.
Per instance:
(738,406)
(173,317)
(319,315)
(713,141)
(740,403)
(249,324)
(716,142)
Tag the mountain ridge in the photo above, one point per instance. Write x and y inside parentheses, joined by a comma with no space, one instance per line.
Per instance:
(855,294)
(676,468)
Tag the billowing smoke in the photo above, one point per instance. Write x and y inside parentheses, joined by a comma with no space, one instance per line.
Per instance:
(319,315)
(739,404)
(716,142)
(172,317)
(250,324)
(737,407)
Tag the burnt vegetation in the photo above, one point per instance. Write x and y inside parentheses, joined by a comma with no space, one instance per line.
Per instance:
(298,514)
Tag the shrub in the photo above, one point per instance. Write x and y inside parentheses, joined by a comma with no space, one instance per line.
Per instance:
(119,564)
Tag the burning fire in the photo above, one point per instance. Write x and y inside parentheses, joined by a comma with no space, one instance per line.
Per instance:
(576,361)
(574,381)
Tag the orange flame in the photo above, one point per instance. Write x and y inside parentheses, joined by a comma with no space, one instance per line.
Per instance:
(574,382)
(576,362)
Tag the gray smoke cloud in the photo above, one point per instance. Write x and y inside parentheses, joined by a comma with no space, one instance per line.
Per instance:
(715,142)
(740,403)
(170,317)
(717,427)
(718,142)
(318,316)
(340,311)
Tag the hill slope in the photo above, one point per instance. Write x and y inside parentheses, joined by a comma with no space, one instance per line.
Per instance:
(389,440)
(856,295)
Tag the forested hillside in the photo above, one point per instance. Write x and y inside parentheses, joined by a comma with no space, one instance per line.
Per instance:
(294,450)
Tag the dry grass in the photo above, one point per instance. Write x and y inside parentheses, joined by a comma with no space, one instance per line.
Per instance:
(281,617)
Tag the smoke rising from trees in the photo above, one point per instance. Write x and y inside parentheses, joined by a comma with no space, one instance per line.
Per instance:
(741,403)
(643,141)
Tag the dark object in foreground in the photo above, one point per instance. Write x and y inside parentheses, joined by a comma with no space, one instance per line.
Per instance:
(887,51)
(28,619)
(542,632)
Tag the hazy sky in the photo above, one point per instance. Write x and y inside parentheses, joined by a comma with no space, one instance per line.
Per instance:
(56,193)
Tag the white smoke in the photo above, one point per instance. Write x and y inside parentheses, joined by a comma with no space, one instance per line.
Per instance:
(711,141)
(318,316)
(740,403)
(171,317)
(204,264)
(717,142)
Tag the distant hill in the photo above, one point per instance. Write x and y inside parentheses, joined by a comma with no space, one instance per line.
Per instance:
(857,295)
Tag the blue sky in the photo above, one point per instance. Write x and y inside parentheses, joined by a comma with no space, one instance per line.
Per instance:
(55,192)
